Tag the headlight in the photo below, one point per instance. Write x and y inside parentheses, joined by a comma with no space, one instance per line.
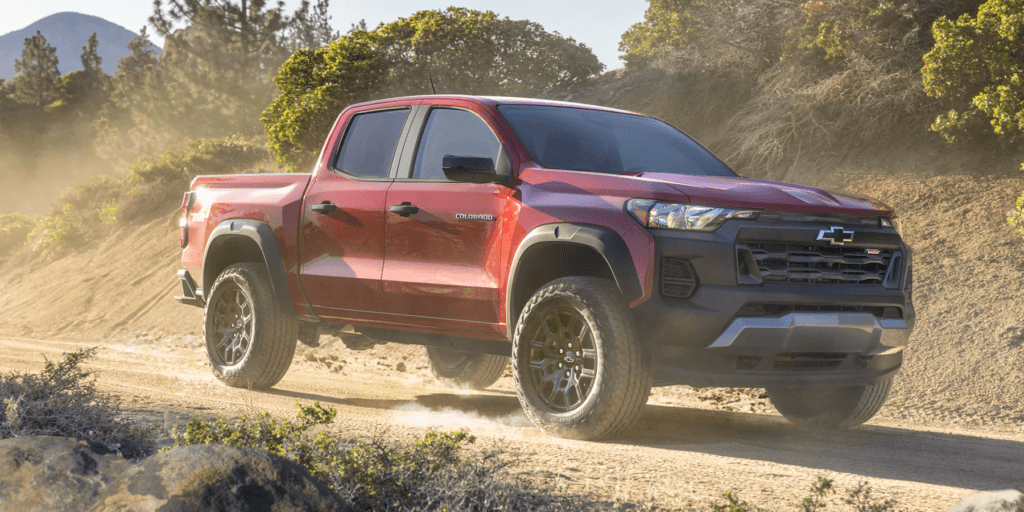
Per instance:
(694,217)
(892,222)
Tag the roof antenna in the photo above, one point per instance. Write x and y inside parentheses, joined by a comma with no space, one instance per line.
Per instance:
(432,83)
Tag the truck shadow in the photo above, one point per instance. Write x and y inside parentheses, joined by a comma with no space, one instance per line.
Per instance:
(955,460)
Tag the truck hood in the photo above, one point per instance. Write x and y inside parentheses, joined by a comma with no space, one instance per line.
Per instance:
(740,192)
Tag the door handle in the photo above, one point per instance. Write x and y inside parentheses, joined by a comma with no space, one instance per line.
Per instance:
(405,209)
(324,208)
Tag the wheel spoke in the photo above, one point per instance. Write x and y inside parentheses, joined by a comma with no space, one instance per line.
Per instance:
(587,373)
(579,392)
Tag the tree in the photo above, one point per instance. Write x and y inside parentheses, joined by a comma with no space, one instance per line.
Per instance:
(144,113)
(312,29)
(37,73)
(85,90)
(91,62)
(224,59)
(977,66)
(465,51)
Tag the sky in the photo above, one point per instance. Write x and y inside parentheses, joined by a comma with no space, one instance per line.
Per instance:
(599,25)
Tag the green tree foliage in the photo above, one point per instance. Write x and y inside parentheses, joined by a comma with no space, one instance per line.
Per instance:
(667,25)
(37,73)
(745,34)
(465,51)
(977,66)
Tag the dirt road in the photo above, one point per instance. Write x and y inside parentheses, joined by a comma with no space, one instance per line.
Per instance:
(681,456)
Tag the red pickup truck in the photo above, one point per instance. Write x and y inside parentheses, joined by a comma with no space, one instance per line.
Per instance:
(602,251)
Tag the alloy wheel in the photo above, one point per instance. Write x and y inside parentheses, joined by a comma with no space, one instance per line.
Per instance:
(563,359)
(233,324)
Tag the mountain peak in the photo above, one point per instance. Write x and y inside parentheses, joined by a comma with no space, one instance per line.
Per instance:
(68,32)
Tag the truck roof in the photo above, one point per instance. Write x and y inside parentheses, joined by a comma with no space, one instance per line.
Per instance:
(494,101)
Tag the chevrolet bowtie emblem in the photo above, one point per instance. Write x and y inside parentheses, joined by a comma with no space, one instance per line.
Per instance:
(835,236)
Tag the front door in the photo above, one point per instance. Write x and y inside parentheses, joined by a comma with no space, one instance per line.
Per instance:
(342,245)
(443,240)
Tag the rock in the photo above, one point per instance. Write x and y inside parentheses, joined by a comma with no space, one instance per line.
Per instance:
(1008,500)
(400,367)
(58,473)
(217,477)
(54,473)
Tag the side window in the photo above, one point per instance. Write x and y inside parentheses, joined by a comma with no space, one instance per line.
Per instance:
(453,132)
(370,142)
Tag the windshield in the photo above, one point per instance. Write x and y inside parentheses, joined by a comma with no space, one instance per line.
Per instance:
(607,142)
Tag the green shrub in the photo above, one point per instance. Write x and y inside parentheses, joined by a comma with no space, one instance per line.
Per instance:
(15,229)
(152,186)
(78,217)
(977,68)
(62,401)
(63,230)
(430,474)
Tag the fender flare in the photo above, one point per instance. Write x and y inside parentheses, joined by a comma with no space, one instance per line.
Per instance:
(263,235)
(606,242)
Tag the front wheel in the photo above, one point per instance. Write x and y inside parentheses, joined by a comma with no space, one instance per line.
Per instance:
(579,369)
(250,341)
(830,407)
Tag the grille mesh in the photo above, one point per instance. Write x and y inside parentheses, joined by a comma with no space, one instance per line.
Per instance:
(790,263)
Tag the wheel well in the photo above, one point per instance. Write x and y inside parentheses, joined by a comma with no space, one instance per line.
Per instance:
(228,250)
(545,263)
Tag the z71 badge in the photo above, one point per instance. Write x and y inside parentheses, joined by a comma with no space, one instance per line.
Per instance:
(473,216)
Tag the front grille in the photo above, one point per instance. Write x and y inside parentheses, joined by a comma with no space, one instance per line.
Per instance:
(678,279)
(757,309)
(792,263)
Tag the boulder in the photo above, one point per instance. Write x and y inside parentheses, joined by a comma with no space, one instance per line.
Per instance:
(54,473)
(217,477)
(57,473)
(991,501)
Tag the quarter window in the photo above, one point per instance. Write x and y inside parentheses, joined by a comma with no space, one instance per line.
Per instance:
(370,142)
(453,132)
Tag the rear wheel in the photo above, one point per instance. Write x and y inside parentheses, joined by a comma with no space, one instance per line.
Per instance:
(830,407)
(250,341)
(465,369)
(579,368)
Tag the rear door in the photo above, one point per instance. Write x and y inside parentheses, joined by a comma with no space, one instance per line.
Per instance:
(342,231)
(443,262)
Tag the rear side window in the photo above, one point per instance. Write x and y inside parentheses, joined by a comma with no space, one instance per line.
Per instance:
(453,132)
(370,143)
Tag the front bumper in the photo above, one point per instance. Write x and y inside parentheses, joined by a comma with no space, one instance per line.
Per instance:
(798,333)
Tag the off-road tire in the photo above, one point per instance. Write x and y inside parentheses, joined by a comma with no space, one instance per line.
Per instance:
(621,380)
(465,369)
(274,333)
(820,407)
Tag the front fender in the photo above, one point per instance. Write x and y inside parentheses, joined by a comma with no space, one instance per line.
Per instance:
(606,242)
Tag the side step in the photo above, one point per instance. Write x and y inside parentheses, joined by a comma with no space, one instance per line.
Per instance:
(189,296)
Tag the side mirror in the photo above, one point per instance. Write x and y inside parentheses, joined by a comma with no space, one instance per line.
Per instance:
(470,169)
